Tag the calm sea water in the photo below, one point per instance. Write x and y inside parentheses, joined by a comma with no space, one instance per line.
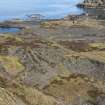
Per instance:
(50,9)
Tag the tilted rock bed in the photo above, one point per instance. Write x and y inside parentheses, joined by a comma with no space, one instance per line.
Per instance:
(76,89)
(53,69)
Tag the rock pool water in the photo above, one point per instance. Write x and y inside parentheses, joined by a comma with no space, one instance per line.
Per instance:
(51,9)
(9,30)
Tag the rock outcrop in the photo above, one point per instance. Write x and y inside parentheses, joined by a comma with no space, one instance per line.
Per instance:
(65,69)
(92,4)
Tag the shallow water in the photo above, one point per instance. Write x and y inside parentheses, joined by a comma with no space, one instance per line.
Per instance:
(99,13)
(9,30)
(50,9)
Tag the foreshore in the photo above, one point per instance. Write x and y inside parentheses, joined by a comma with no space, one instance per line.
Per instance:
(53,62)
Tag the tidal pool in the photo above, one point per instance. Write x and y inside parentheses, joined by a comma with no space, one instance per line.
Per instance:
(9,30)
(50,9)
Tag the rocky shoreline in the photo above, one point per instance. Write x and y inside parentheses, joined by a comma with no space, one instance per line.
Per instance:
(53,62)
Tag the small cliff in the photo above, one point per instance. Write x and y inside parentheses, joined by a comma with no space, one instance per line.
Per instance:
(92,3)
